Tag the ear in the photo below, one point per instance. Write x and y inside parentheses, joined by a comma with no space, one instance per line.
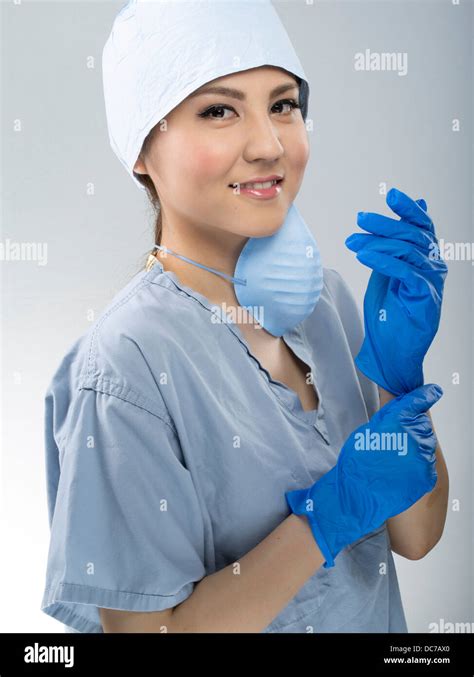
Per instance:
(139,167)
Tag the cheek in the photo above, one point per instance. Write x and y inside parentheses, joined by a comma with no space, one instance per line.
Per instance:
(297,158)
(298,153)
(202,160)
(207,162)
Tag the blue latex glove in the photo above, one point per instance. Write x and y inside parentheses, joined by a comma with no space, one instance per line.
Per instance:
(368,486)
(407,282)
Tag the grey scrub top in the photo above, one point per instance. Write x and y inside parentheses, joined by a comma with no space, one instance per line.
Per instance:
(169,449)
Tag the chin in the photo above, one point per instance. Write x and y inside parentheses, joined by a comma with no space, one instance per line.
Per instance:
(262,229)
(267,222)
(262,219)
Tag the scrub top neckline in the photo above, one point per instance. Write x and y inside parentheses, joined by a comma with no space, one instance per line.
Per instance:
(295,339)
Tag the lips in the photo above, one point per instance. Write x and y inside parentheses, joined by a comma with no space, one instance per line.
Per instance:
(258,183)
(268,189)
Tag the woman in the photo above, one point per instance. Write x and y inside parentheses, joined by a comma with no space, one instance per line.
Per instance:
(179,425)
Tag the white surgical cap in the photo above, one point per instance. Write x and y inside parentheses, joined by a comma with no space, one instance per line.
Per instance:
(160,51)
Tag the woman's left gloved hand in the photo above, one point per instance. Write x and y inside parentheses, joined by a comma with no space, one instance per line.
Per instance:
(407,283)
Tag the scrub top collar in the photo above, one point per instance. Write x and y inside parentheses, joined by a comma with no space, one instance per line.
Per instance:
(295,339)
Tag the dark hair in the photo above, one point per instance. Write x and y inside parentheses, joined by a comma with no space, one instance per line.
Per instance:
(146,181)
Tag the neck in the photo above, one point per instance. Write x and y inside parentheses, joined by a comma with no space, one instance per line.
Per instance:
(213,248)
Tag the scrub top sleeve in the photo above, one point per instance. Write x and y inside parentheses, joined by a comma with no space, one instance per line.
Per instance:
(127,530)
(351,319)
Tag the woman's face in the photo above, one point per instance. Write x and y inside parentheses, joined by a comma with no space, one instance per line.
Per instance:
(214,140)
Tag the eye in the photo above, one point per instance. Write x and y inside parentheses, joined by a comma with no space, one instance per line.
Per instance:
(209,112)
(216,111)
(287,102)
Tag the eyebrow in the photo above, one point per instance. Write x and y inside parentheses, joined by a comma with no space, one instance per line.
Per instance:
(237,94)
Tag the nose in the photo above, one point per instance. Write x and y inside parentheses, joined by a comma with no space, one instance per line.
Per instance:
(262,140)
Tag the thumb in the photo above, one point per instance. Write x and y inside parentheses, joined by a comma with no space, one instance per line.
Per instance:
(418,401)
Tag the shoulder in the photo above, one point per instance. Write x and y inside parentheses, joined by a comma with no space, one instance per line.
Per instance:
(111,356)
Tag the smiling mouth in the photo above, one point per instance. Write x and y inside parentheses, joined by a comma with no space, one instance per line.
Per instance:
(256,185)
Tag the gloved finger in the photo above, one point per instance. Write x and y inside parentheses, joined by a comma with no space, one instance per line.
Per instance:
(396,248)
(422,204)
(415,285)
(391,267)
(420,428)
(402,230)
(417,401)
(408,209)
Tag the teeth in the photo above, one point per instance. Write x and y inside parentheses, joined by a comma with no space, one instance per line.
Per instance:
(266,184)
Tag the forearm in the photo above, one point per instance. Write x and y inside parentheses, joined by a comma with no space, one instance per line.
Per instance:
(414,532)
(247,595)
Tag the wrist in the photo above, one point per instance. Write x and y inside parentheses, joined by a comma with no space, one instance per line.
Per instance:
(312,503)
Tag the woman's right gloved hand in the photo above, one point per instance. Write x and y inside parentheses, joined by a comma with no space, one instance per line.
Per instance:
(384,467)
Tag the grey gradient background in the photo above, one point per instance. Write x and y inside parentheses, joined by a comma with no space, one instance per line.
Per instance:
(370,129)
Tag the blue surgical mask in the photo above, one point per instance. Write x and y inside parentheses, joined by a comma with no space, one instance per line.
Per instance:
(278,279)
